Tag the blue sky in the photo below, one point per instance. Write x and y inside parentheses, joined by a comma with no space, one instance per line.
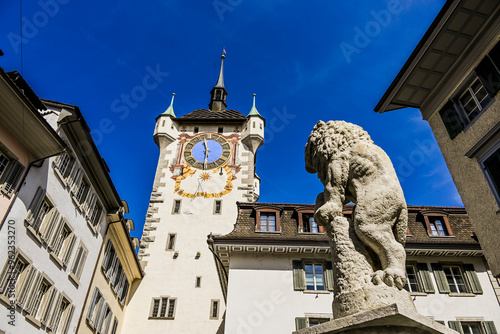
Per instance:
(306,61)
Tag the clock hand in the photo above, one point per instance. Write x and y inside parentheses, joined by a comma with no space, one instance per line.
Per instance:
(206,151)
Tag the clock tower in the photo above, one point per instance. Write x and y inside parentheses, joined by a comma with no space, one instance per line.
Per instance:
(206,164)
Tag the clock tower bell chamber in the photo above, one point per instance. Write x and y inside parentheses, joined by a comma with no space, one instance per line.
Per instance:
(206,164)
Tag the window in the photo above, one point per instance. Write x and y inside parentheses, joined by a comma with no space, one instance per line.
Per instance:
(163,308)
(61,315)
(304,322)
(63,164)
(418,278)
(456,278)
(38,209)
(196,129)
(267,222)
(491,166)
(95,308)
(63,241)
(38,296)
(95,215)
(437,226)
(19,274)
(220,130)
(81,193)
(473,327)
(309,225)
(11,171)
(198,282)
(475,97)
(214,309)
(437,223)
(171,241)
(217,207)
(79,262)
(114,273)
(474,100)
(176,208)
(312,276)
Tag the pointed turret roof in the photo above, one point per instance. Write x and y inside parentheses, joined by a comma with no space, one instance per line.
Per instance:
(170,109)
(220,80)
(253,111)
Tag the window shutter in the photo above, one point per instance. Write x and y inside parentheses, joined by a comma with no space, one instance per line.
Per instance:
(425,277)
(440,277)
(300,323)
(471,277)
(489,76)
(58,299)
(57,233)
(13,178)
(24,284)
(36,202)
(47,226)
(30,301)
(69,248)
(4,276)
(489,327)
(67,318)
(299,282)
(48,305)
(321,229)
(257,221)
(107,253)
(451,120)
(455,325)
(329,276)
(492,167)
(92,307)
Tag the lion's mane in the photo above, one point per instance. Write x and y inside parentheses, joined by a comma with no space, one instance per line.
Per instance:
(330,139)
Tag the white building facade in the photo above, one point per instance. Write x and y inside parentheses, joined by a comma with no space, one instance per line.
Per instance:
(206,164)
(59,219)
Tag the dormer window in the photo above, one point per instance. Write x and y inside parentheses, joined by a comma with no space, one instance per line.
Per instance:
(306,222)
(437,223)
(267,219)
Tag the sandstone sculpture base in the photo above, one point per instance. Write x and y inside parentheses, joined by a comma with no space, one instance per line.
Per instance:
(390,319)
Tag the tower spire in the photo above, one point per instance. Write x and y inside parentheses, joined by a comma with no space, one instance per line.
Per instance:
(219,93)
(253,111)
(170,109)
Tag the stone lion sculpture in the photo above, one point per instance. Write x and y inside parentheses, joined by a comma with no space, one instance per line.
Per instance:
(353,169)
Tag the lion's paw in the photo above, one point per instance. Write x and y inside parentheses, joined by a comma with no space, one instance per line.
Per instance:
(378,277)
(395,277)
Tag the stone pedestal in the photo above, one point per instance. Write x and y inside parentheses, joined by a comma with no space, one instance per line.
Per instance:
(389,319)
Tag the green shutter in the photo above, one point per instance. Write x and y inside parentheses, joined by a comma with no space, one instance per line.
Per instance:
(489,76)
(299,281)
(455,325)
(489,327)
(440,277)
(425,278)
(300,323)
(329,276)
(471,277)
(451,120)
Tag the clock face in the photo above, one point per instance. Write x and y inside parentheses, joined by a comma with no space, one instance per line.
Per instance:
(207,151)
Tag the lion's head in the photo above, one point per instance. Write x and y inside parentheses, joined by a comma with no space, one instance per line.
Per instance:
(329,139)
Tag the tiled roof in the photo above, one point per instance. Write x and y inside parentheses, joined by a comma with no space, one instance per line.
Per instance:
(209,115)
(244,228)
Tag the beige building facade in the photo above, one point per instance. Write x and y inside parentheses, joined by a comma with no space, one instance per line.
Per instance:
(115,277)
(453,77)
